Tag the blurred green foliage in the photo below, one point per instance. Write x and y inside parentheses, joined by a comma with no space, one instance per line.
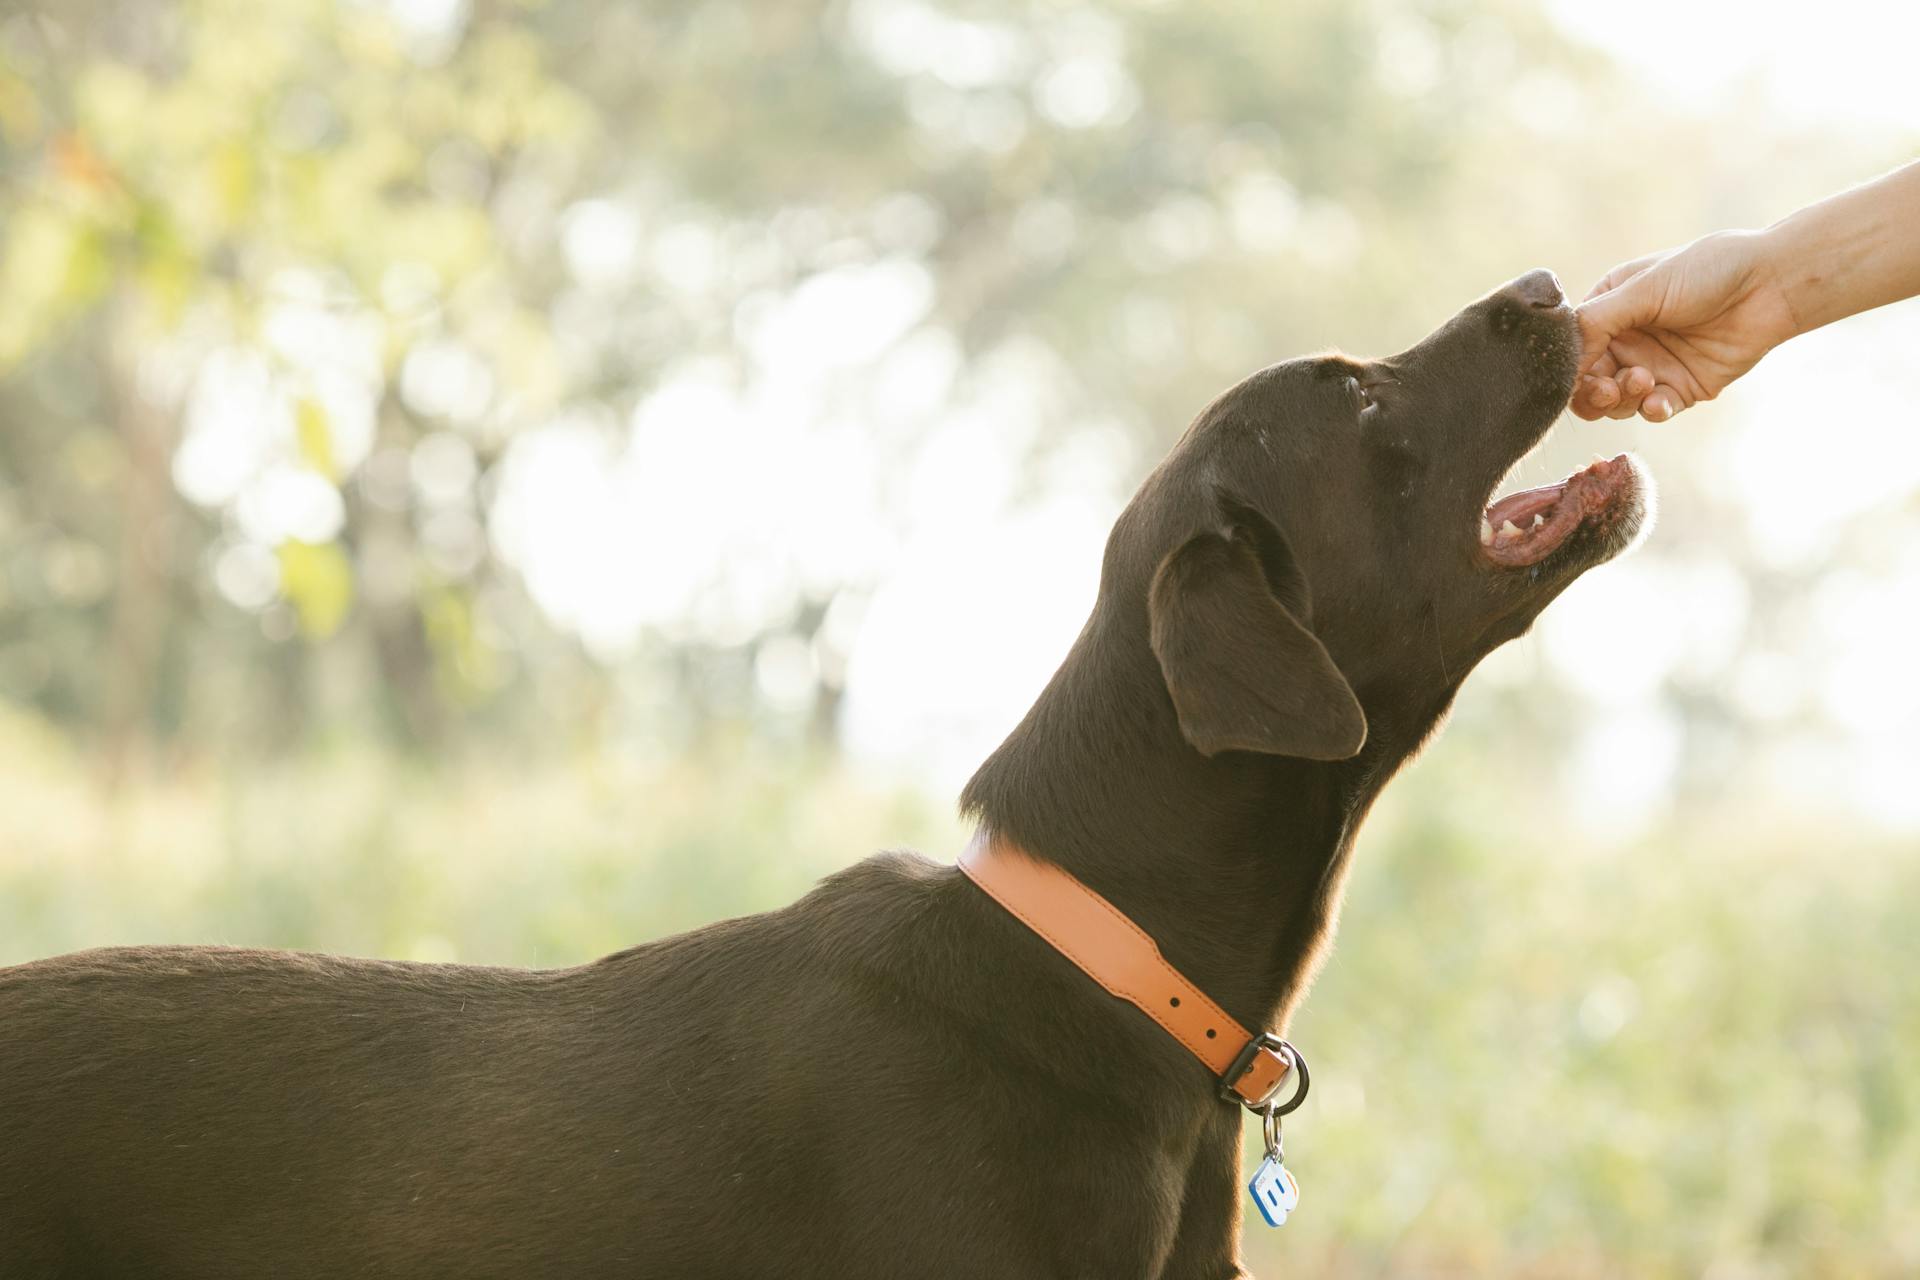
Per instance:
(1537,1053)
(1156,198)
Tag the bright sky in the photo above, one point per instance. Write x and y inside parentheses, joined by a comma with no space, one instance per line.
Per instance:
(1839,62)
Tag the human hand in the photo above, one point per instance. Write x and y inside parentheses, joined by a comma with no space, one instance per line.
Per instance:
(1661,333)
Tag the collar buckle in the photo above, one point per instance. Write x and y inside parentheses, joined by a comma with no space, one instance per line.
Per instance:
(1266,1042)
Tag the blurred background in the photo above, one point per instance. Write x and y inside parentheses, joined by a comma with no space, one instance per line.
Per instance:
(500,480)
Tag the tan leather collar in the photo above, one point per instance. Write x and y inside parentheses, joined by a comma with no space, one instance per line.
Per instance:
(1120,956)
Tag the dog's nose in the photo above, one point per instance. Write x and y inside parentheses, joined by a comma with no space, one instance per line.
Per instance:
(1537,289)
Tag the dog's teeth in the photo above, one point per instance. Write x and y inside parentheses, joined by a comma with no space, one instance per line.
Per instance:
(1486,532)
(1539,520)
(1508,529)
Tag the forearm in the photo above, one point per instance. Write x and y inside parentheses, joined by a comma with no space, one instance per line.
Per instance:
(1851,252)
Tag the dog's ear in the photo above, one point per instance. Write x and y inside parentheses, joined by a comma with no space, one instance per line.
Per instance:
(1245,673)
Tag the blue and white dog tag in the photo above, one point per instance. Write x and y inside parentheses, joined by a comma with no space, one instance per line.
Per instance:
(1274,1190)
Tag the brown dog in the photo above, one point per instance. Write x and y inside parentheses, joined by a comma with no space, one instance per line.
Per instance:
(892,1077)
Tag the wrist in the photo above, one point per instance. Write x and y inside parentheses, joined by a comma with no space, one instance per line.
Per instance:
(1793,261)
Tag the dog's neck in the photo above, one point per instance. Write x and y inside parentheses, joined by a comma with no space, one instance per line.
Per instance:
(1234,864)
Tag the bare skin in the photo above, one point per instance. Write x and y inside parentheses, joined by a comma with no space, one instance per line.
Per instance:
(1663,332)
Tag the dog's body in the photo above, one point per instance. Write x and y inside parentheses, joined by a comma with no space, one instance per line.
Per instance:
(891,1077)
(844,1087)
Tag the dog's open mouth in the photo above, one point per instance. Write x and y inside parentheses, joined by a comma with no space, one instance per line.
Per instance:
(1608,498)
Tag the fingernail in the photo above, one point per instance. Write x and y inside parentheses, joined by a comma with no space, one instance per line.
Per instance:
(1659,410)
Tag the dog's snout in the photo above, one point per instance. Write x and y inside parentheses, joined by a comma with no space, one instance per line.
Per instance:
(1539,288)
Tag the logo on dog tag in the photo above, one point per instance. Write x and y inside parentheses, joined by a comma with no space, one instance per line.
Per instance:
(1275,1191)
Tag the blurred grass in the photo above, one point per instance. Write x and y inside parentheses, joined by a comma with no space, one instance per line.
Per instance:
(1533,1056)
(1689,1055)
(367,854)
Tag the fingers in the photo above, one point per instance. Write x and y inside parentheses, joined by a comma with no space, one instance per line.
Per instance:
(1594,396)
(1596,391)
(1615,383)
(1635,384)
(1623,393)
(1662,404)
(1629,391)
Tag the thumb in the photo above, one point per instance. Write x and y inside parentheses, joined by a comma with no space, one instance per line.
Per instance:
(1629,305)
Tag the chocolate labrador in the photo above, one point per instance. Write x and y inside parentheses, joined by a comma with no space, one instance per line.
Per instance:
(892,1077)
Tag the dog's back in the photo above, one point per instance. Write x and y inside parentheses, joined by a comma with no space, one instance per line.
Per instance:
(200,1111)
(170,1110)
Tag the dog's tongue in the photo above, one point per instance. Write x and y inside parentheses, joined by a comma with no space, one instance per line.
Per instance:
(1524,528)
(1520,509)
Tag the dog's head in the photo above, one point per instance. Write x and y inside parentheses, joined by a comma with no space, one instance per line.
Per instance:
(1318,553)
